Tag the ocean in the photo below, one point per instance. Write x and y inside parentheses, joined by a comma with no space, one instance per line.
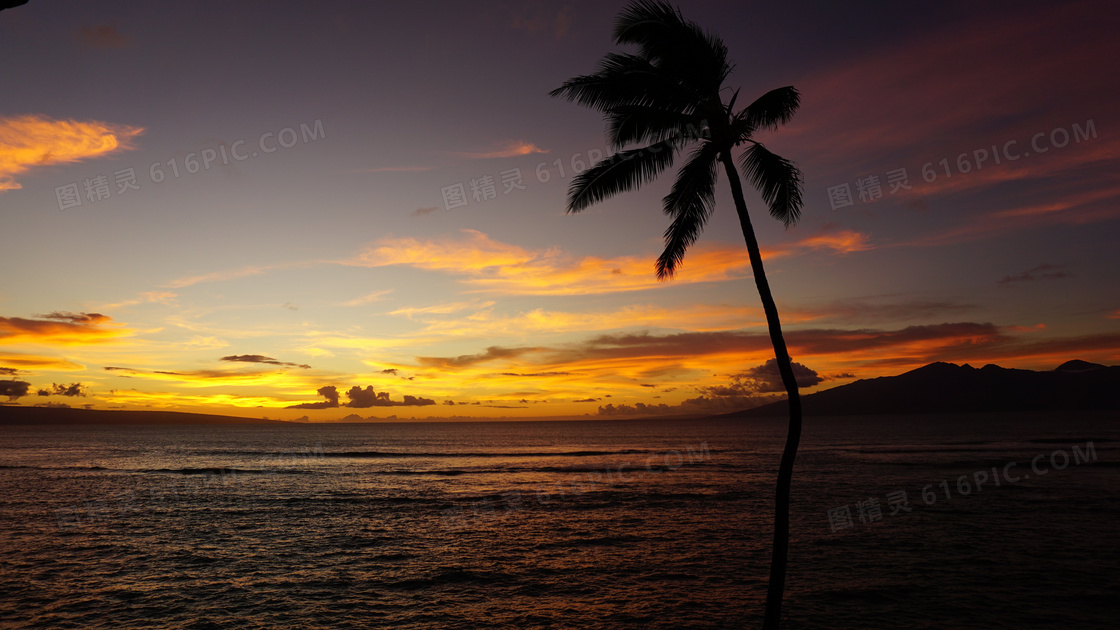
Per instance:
(962,521)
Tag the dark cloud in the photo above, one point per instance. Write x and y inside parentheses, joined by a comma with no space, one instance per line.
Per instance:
(942,342)
(14,389)
(209,374)
(1041,272)
(7,371)
(810,341)
(866,311)
(76,318)
(258,358)
(679,344)
(767,378)
(392,371)
(692,406)
(102,36)
(946,337)
(465,360)
(449,402)
(1057,347)
(422,211)
(368,397)
(73,389)
(57,325)
(330,392)
(531,374)
(588,400)
(363,398)
(622,409)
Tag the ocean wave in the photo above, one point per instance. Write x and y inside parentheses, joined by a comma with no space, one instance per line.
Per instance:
(224,471)
(429,454)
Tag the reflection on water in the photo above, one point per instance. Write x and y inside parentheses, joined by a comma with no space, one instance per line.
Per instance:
(661,524)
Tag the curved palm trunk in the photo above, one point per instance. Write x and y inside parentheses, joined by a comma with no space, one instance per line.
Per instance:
(785,471)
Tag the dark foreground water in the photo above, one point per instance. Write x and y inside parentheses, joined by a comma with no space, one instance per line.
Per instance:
(916,522)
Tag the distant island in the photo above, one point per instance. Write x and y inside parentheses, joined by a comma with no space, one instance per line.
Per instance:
(935,388)
(951,388)
(15,414)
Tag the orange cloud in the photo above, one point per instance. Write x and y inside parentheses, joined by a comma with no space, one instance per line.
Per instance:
(21,361)
(59,329)
(508,149)
(483,322)
(840,242)
(33,140)
(500,267)
(375,296)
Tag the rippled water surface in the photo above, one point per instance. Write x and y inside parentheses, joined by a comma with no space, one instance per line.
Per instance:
(897,522)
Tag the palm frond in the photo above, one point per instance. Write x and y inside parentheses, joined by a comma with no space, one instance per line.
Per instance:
(769,111)
(622,172)
(777,179)
(690,203)
(672,43)
(634,124)
(621,80)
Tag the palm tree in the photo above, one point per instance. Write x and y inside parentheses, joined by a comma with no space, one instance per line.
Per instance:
(668,97)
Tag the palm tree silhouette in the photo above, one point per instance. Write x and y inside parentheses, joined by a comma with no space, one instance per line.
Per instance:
(668,98)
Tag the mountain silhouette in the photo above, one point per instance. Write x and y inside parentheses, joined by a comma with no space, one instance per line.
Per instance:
(951,388)
(16,414)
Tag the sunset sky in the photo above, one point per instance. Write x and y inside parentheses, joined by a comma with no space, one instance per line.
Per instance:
(268,214)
